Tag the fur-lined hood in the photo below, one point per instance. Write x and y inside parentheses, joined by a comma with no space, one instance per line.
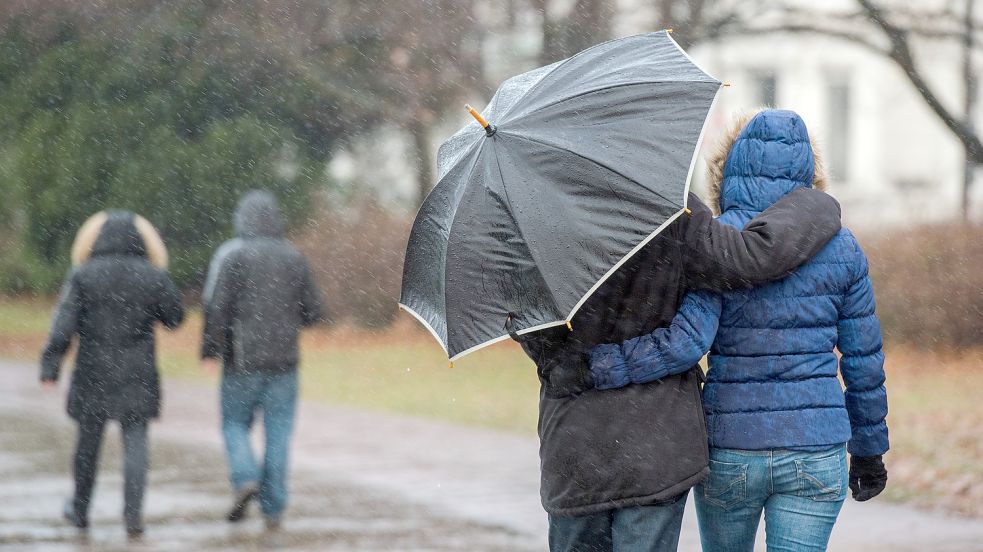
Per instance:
(763,155)
(116,232)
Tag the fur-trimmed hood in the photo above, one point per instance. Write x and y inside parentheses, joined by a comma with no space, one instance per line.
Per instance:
(763,155)
(115,232)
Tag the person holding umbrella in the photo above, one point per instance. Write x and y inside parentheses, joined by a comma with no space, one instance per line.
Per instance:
(258,294)
(116,293)
(617,465)
(780,424)
(563,219)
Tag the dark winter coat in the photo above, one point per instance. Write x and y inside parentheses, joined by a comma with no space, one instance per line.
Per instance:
(645,444)
(773,380)
(258,294)
(111,301)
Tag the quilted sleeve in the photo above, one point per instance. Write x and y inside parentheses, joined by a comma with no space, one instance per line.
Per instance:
(664,352)
(862,365)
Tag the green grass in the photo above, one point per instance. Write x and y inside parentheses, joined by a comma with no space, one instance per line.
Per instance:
(25,318)
(495,387)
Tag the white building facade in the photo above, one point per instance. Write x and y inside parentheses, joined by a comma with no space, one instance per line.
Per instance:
(890,159)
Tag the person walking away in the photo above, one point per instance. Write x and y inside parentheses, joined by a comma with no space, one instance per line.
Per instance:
(258,294)
(780,424)
(115,293)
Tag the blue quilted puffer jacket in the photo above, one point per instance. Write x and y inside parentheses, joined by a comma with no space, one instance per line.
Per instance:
(772,381)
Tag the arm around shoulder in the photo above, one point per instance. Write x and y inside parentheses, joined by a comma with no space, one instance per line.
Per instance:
(664,352)
(771,246)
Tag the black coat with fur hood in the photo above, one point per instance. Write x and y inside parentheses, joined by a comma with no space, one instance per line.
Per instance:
(115,294)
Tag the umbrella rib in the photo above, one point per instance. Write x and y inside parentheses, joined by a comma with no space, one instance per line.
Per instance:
(450,227)
(560,101)
(444,340)
(560,64)
(465,153)
(599,164)
(505,188)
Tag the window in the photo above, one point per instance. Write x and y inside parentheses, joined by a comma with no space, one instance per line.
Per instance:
(838,129)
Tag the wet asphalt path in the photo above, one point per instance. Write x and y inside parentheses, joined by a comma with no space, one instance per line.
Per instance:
(361,481)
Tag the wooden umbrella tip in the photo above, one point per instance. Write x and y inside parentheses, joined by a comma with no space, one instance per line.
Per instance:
(477,116)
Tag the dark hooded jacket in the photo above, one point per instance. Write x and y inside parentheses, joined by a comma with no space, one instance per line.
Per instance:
(111,301)
(258,294)
(646,444)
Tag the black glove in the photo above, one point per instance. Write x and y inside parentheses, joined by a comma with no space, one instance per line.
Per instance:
(567,373)
(563,368)
(868,477)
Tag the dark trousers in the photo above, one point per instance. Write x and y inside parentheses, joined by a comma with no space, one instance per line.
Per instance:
(636,529)
(135,466)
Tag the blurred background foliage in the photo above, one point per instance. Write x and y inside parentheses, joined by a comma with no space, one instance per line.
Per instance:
(173,108)
(173,115)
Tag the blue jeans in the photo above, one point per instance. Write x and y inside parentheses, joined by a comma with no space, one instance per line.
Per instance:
(636,529)
(800,492)
(243,395)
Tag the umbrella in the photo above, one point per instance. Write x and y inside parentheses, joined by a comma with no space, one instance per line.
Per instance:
(570,170)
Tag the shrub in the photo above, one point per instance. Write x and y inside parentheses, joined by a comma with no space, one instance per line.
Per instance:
(357,256)
(173,122)
(929,285)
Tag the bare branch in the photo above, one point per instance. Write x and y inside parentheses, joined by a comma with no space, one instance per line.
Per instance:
(855,38)
(900,53)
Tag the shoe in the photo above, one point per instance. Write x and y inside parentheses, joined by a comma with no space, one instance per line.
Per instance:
(134,533)
(273,523)
(243,497)
(73,516)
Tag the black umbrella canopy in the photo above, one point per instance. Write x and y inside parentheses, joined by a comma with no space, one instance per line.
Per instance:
(582,163)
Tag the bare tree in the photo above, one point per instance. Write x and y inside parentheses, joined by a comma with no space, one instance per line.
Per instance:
(411,64)
(694,21)
(890,30)
(587,23)
(969,106)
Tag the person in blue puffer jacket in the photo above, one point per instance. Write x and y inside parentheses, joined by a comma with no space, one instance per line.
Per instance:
(780,423)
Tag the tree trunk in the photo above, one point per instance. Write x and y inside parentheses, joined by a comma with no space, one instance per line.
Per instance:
(552,49)
(666,14)
(588,23)
(969,79)
(420,133)
(900,53)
